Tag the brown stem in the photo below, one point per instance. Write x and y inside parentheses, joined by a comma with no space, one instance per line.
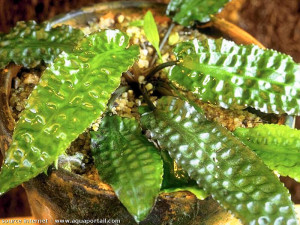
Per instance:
(7,121)
(164,91)
(129,77)
(146,97)
(234,32)
(160,67)
(118,92)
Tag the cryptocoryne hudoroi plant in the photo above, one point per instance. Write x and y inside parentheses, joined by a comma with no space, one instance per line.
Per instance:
(233,167)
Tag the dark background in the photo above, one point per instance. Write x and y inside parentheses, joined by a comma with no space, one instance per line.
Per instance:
(276,23)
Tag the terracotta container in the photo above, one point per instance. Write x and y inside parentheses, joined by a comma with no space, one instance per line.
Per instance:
(64,195)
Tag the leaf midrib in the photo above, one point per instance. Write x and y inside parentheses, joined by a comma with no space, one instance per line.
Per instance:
(191,136)
(220,73)
(72,95)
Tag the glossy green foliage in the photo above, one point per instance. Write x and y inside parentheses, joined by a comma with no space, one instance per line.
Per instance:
(28,43)
(151,31)
(185,12)
(128,162)
(220,163)
(174,176)
(277,145)
(72,93)
(199,193)
(232,75)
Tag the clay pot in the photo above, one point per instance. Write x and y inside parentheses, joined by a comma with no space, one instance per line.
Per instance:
(64,195)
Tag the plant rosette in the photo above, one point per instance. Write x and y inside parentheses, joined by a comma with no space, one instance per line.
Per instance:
(134,119)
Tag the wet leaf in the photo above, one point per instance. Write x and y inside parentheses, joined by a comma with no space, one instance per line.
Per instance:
(28,43)
(277,145)
(128,162)
(72,93)
(220,163)
(151,31)
(235,76)
(185,12)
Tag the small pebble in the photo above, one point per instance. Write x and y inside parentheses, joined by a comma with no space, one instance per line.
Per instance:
(143,63)
(138,102)
(130,104)
(165,57)
(19,108)
(173,38)
(149,86)
(150,50)
(141,79)
(130,92)
(95,127)
(120,18)
(31,79)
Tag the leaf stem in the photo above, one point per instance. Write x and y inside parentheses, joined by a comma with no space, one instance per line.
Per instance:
(164,89)
(163,42)
(118,92)
(146,97)
(160,67)
(129,77)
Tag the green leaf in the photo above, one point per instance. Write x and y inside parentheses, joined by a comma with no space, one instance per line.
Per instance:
(174,176)
(128,162)
(222,72)
(72,93)
(28,43)
(277,145)
(185,12)
(220,163)
(151,32)
(199,193)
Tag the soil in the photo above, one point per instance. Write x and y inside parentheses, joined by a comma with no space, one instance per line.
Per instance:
(275,23)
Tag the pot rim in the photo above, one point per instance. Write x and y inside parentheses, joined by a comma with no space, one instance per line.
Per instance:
(84,14)
(93,10)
